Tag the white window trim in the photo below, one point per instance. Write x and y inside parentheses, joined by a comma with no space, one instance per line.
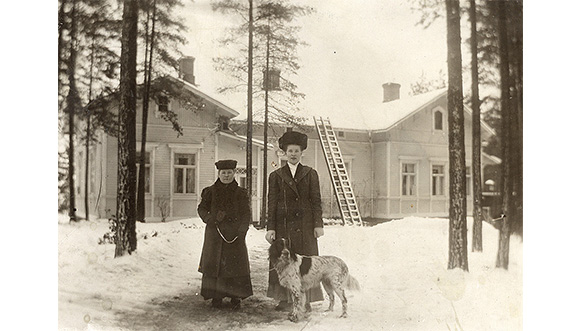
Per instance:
(445,180)
(443,120)
(150,148)
(350,159)
(257,179)
(189,149)
(409,160)
(157,113)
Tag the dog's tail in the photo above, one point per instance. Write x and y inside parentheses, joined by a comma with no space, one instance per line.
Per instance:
(352,284)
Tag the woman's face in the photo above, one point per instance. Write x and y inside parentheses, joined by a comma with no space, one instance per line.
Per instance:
(226,175)
(293,153)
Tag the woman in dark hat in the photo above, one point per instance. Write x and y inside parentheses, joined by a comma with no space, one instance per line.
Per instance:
(294,212)
(224,262)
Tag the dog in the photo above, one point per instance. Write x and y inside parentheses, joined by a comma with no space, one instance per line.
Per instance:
(300,273)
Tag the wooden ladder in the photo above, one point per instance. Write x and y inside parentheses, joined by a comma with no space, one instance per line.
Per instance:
(338,174)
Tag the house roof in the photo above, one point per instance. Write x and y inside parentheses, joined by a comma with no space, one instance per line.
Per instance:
(221,107)
(254,141)
(382,115)
(386,115)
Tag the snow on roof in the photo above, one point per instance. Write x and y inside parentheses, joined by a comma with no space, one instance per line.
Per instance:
(382,115)
(226,109)
(255,141)
(387,114)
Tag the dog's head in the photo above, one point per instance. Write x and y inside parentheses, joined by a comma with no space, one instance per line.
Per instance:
(280,251)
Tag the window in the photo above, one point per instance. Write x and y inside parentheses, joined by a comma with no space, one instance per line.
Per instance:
(163,105)
(223,123)
(348,167)
(408,179)
(146,169)
(437,120)
(184,173)
(437,180)
(241,178)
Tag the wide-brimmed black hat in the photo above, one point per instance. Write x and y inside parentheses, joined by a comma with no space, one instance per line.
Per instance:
(293,138)
(226,164)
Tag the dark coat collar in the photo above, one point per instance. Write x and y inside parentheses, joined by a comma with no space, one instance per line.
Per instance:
(285,173)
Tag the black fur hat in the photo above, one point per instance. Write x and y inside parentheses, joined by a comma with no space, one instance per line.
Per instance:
(226,164)
(293,138)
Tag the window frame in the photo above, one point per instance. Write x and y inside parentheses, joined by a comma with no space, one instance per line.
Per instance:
(434,111)
(415,175)
(159,103)
(148,166)
(184,170)
(240,172)
(443,181)
(185,149)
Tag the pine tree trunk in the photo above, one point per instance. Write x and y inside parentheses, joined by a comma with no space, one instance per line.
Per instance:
(458,242)
(265,123)
(506,181)
(73,102)
(249,154)
(476,137)
(141,210)
(88,133)
(514,21)
(125,234)
(88,127)
(60,46)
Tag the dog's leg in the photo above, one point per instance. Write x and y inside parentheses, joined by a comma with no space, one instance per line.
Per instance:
(340,291)
(298,298)
(307,306)
(330,291)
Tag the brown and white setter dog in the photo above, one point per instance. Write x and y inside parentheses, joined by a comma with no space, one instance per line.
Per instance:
(300,273)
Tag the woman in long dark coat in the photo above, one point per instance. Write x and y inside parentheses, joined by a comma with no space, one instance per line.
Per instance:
(224,262)
(294,212)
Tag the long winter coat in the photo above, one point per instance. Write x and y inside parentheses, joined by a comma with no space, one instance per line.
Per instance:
(218,258)
(294,210)
(295,207)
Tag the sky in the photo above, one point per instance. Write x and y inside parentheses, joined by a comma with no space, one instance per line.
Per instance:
(354,47)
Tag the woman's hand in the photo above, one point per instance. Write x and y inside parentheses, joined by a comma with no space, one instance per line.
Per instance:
(318,232)
(270,236)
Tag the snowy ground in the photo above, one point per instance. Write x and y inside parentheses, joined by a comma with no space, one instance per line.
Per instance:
(401,266)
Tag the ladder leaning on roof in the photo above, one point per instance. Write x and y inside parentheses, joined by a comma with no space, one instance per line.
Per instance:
(338,174)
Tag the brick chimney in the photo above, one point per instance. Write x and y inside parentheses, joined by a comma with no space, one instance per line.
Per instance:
(186,69)
(391,91)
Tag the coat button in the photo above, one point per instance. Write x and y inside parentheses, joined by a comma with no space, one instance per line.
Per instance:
(297,199)
(298,214)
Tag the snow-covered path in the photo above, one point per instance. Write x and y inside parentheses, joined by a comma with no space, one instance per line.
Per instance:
(401,266)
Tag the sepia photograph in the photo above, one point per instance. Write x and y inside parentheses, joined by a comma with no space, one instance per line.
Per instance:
(291,165)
